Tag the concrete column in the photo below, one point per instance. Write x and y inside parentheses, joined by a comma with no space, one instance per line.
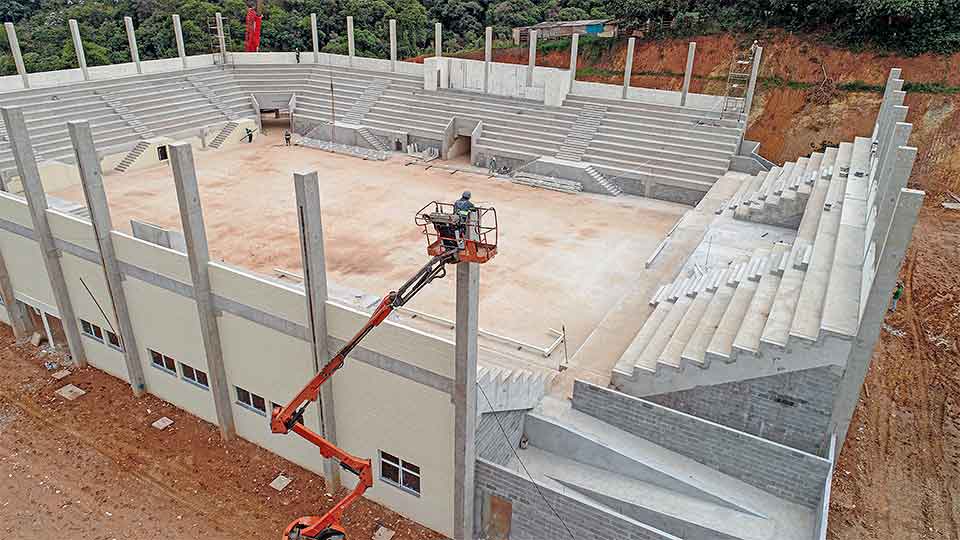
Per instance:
(892,178)
(316,38)
(888,89)
(891,112)
(178,35)
(221,38)
(574,42)
(465,394)
(688,72)
(26,161)
(438,39)
(17,55)
(351,49)
(91,177)
(628,67)
(531,57)
(78,46)
(132,41)
(754,71)
(891,257)
(19,319)
(487,57)
(393,45)
(191,217)
(307,187)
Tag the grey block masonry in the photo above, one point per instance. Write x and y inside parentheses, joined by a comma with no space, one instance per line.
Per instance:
(491,442)
(782,471)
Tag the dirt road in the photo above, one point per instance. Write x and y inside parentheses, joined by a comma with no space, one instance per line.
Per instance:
(93,468)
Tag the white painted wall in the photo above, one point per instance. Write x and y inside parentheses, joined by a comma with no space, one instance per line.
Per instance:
(128,69)
(646,95)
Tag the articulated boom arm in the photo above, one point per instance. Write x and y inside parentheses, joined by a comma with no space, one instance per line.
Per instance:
(290,417)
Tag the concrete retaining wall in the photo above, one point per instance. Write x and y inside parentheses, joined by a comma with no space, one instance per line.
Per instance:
(646,95)
(532,519)
(491,442)
(783,471)
(789,408)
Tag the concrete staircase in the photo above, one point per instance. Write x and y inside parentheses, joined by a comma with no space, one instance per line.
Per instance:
(212,97)
(598,177)
(546,182)
(375,142)
(132,157)
(783,306)
(221,137)
(511,389)
(135,124)
(581,133)
(362,105)
(599,464)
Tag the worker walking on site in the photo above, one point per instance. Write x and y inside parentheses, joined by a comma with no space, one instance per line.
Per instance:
(897,293)
(286,137)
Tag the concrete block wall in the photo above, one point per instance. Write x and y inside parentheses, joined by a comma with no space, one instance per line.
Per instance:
(532,519)
(788,473)
(788,408)
(491,442)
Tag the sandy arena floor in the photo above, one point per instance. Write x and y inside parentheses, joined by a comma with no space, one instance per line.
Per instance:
(563,259)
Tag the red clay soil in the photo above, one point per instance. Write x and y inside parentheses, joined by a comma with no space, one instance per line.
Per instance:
(94,468)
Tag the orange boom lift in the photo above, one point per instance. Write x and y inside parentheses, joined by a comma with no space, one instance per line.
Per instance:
(452,238)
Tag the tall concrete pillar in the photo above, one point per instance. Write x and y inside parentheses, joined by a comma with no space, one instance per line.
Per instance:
(91,177)
(17,55)
(316,38)
(465,394)
(221,38)
(393,45)
(438,38)
(487,57)
(892,176)
(307,187)
(754,71)
(198,255)
(688,72)
(574,42)
(531,57)
(628,66)
(22,150)
(78,46)
(351,48)
(132,41)
(178,35)
(888,90)
(891,257)
(19,319)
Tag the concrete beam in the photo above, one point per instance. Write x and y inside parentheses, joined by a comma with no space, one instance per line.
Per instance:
(78,47)
(393,45)
(17,55)
(307,188)
(628,66)
(487,57)
(465,394)
(896,176)
(351,47)
(891,257)
(221,38)
(132,41)
(688,72)
(751,88)
(19,319)
(438,39)
(178,35)
(531,57)
(26,161)
(91,177)
(574,42)
(316,38)
(198,254)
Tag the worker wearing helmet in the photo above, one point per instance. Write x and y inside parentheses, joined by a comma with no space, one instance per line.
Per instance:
(462,208)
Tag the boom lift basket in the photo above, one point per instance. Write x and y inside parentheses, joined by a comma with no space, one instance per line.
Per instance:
(444,228)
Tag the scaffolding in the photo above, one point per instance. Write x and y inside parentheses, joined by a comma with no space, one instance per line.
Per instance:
(219,35)
(738,84)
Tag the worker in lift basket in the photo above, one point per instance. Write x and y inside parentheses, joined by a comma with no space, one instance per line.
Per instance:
(462,208)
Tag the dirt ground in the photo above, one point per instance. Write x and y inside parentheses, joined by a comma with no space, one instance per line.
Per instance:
(563,259)
(93,468)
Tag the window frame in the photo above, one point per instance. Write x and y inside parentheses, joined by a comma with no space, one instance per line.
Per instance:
(163,359)
(194,381)
(109,343)
(403,468)
(251,403)
(89,330)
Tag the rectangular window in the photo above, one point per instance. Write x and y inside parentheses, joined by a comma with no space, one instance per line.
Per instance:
(114,340)
(92,331)
(194,375)
(400,473)
(162,153)
(251,401)
(163,362)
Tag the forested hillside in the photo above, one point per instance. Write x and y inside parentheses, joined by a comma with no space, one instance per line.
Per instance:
(906,26)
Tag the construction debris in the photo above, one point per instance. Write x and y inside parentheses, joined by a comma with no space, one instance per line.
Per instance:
(383,533)
(63,373)
(280,482)
(70,392)
(163,423)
